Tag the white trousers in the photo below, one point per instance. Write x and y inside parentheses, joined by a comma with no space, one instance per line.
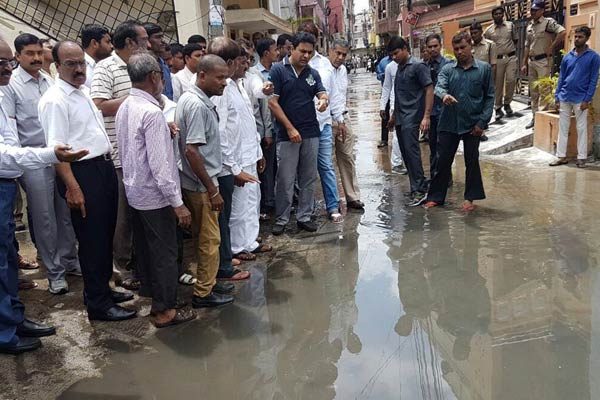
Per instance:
(566,110)
(245,213)
(396,155)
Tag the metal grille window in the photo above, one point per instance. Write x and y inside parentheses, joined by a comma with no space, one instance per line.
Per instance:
(62,19)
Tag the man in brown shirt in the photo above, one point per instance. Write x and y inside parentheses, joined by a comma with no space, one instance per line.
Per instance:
(504,36)
(544,36)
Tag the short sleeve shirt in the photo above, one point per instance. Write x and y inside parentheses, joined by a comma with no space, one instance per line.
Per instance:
(111,81)
(409,90)
(485,51)
(540,35)
(503,36)
(296,97)
(196,116)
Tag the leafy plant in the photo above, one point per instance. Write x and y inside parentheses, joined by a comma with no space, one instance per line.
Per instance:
(547,87)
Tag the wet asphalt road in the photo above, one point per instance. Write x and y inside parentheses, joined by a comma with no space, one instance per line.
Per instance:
(500,304)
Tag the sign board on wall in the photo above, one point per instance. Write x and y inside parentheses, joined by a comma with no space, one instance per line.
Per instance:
(215,16)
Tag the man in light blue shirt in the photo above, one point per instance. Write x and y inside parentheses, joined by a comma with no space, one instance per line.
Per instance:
(574,93)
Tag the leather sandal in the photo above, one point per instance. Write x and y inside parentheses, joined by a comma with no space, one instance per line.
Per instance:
(560,161)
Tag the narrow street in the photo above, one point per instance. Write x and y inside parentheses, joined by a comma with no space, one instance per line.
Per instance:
(395,303)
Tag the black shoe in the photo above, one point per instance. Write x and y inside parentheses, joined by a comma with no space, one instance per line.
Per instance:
(530,124)
(115,313)
(418,199)
(278,229)
(382,144)
(23,345)
(120,297)
(28,328)
(499,113)
(223,287)
(308,226)
(509,111)
(483,138)
(212,300)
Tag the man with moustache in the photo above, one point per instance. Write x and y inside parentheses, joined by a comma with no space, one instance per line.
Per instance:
(157,45)
(110,87)
(68,115)
(50,217)
(17,334)
(466,88)
(284,45)
(97,44)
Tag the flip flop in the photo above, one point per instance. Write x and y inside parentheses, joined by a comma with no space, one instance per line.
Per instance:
(235,262)
(335,217)
(237,275)
(468,206)
(262,248)
(26,264)
(245,256)
(187,279)
(180,317)
(26,284)
(130,284)
(178,306)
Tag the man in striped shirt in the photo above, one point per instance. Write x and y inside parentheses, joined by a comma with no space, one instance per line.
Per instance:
(110,87)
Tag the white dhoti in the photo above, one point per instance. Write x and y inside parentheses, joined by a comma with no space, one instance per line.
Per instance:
(244,223)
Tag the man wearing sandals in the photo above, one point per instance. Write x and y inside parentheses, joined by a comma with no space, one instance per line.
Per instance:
(151,182)
(574,94)
(466,88)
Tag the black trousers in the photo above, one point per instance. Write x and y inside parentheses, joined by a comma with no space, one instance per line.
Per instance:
(448,144)
(98,182)
(384,124)
(267,179)
(226,184)
(408,139)
(155,234)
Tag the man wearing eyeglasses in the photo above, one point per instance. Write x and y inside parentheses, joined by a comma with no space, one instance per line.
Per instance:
(69,116)
(17,334)
(54,235)
(110,87)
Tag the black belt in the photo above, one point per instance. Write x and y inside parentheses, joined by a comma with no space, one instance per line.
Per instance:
(538,57)
(103,157)
(501,56)
(7,180)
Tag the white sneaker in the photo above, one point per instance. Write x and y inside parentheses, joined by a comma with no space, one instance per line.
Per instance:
(59,286)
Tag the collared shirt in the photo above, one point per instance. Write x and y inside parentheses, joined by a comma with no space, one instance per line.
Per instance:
(474,90)
(296,94)
(503,36)
(253,82)
(196,116)
(578,76)
(150,175)
(68,116)
(325,69)
(249,136)
(485,51)
(229,110)
(409,92)
(21,99)
(337,103)
(381,68)
(182,81)
(168,88)
(540,35)
(90,64)
(435,66)
(387,90)
(13,158)
(111,81)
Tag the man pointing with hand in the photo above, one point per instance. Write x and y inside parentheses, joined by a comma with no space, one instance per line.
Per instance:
(296,84)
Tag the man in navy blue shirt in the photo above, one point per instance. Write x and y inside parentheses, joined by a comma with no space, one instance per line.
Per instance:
(574,93)
(295,86)
(157,46)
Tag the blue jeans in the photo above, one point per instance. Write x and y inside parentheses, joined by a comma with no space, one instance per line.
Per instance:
(326,169)
(11,307)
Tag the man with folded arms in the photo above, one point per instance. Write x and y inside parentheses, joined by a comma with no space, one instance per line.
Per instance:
(151,182)
(17,334)
(68,116)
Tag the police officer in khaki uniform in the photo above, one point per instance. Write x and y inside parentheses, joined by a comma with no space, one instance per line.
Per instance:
(504,36)
(544,36)
(483,49)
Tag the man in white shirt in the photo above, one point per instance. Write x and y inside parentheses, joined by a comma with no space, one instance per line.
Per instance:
(17,334)
(184,79)
(50,220)
(68,115)
(232,173)
(387,91)
(325,159)
(97,44)
(344,139)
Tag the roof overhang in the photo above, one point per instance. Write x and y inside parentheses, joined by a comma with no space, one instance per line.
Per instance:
(256,19)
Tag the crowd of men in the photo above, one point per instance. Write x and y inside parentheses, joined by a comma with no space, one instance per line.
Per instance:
(125,145)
